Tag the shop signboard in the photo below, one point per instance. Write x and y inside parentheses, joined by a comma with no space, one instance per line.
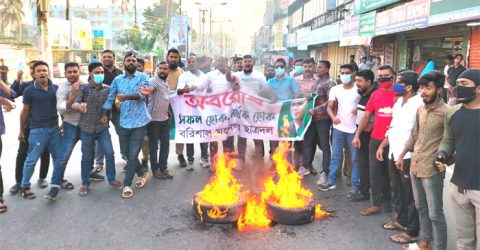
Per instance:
(350,32)
(367,24)
(82,34)
(98,40)
(292,40)
(448,11)
(325,34)
(59,32)
(408,16)
(363,6)
(278,35)
(302,38)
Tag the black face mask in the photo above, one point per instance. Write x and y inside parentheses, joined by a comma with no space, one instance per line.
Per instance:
(384,79)
(466,94)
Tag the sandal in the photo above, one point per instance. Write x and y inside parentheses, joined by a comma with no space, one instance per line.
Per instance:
(83,191)
(3,207)
(27,194)
(117,184)
(142,180)
(403,238)
(127,192)
(394,225)
(67,185)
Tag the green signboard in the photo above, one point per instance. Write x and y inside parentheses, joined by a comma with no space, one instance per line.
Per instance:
(449,11)
(362,6)
(444,6)
(367,24)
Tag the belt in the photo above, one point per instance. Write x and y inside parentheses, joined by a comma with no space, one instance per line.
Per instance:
(50,124)
(462,190)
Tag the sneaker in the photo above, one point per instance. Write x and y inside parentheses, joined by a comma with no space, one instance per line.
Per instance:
(302,171)
(98,167)
(42,183)
(322,180)
(14,189)
(313,171)
(182,161)
(52,194)
(357,197)
(327,187)
(96,177)
(204,162)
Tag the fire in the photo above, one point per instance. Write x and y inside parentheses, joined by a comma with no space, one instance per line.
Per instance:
(288,192)
(254,217)
(222,189)
(319,213)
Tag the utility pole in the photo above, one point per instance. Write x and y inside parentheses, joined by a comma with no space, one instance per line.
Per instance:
(203,29)
(135,10)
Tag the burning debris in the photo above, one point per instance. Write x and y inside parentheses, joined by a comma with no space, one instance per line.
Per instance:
(284,199)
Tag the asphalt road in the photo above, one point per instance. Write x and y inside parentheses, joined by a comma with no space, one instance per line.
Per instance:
(159,216)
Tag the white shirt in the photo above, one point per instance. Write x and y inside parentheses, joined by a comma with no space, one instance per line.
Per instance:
(403,120)
(251,83)
(190,79)
(445,72)
(347,100)
(216,81)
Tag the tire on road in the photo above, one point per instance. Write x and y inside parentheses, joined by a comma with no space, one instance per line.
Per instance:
(233,211)
(291,216)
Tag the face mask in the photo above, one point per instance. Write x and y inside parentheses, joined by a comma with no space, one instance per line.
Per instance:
(385,82)
(399,89)
(98,79)
(279,71)
(466,94)
(345,78)
(298,69)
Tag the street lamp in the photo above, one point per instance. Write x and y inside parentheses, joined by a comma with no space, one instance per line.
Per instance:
(210,7)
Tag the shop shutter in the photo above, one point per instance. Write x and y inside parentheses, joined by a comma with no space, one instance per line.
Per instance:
(474,49)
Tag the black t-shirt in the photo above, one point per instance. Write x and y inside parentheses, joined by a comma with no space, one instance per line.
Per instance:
(465,124)
(109,76)
(453,74)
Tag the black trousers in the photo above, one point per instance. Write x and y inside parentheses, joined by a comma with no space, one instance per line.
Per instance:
(318,133)
(403,200)
(22,156)
(379,181)
(363,164)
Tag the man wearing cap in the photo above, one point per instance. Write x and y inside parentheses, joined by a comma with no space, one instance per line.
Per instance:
(462,135)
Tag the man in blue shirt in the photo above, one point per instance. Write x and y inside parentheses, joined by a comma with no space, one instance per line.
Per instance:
(282,87)
(40,106)
(134,117)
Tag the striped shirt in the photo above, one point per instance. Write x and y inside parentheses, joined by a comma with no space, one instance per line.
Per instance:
(159,101)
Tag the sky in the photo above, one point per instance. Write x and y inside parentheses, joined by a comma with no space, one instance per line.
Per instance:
(240,18)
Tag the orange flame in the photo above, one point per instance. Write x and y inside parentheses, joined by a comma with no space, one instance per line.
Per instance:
(222,188)
(217,213)
(288,192)
(254,218)
(319,213)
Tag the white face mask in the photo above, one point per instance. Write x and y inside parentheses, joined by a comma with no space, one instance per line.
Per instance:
(345,78)
(279,71)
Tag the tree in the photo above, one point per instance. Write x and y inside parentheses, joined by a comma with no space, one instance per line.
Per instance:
(135,39)
(11,16)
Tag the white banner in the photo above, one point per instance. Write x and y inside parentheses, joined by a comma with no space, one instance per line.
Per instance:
(206,118)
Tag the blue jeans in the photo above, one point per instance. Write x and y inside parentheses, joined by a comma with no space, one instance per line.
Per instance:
(71,135)
(428,194)
(38,140)
(105,142)
(338,140)
(99,155)
(132,139)
(159,131)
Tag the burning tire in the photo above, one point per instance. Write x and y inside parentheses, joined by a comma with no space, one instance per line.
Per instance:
(209,213)
(291,216)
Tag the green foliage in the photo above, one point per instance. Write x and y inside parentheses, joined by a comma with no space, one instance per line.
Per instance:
(11,15)
(136,39)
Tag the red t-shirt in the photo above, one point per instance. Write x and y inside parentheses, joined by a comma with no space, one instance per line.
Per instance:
(381,103)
